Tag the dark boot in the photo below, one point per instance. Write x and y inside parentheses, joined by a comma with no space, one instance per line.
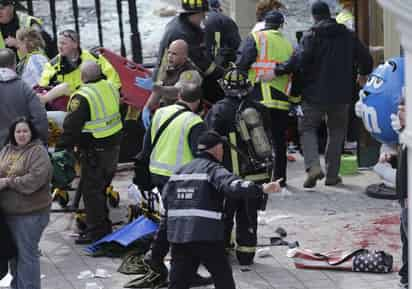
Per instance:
(313,175)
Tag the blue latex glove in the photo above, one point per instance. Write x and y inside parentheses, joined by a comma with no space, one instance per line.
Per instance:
(146,117)
(145,83)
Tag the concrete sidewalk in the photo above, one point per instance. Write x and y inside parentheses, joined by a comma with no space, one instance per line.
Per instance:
(325,219)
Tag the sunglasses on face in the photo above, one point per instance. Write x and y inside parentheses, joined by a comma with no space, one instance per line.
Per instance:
(69,34)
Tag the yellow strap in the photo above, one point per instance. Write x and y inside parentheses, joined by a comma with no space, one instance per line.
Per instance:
(210,69)
(233,154)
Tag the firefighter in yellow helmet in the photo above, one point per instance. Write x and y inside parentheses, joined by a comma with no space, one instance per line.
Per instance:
(346,16)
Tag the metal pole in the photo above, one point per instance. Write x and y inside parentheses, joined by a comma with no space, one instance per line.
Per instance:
(76,16)
(121,32)
(30,6)
(135,37)
(99,21)
(53,18)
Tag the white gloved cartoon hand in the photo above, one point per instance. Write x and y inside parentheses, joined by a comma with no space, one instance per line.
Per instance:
(359,106)
(395,122)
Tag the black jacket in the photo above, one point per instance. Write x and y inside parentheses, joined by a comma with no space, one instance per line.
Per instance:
(229,37)
(194,198)
(402,174)
(329,55)
(222,118)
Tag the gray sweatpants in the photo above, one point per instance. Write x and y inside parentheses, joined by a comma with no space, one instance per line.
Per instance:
(336,122)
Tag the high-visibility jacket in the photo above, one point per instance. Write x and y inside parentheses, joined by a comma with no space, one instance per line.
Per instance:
(103,99)
(25,21)
(54,72)
(172,149)
(272,48)
(346,18)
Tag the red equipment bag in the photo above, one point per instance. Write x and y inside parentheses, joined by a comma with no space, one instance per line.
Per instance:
(128,71)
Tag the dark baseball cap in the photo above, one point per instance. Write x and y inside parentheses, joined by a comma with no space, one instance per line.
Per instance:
(209,139)
(274,17)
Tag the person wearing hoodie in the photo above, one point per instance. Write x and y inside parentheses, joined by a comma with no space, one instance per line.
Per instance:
(327,56)
(17,99)
(25,176)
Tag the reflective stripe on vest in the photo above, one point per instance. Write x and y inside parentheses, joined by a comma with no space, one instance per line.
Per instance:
(218,39)
(172,150)
(246,249)
(189,177)
(272,48)
(194,213)
(24,21)
(103,100)
(346,18)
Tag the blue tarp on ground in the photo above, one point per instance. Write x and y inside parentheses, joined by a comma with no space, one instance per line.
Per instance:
(126,235)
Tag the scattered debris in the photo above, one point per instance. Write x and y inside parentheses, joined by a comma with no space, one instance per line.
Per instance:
(93,285)
(102,273)
(85,275)
(263,252)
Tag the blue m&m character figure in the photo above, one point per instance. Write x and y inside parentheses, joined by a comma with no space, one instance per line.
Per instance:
(379,99)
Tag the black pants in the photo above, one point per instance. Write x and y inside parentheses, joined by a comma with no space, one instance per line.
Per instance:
(187,257)
(403,272)
(279,128)
(98,167)
(245,212)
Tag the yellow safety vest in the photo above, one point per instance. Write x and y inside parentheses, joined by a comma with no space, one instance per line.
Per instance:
(272,48)
(172,149)
(346,18)
(103,99)
(25,20)
(234,156)
(73,78)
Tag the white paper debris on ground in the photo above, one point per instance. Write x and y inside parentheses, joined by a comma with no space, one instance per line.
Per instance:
(5,282)
(265,220)
(102,273)
(93,285)
(263,252)
(42,276)
(87,274)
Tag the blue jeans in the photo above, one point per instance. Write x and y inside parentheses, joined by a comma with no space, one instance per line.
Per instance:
(26,231)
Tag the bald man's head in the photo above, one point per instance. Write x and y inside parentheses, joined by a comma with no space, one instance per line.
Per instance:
(7,58)
(177,53)
(90,71)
